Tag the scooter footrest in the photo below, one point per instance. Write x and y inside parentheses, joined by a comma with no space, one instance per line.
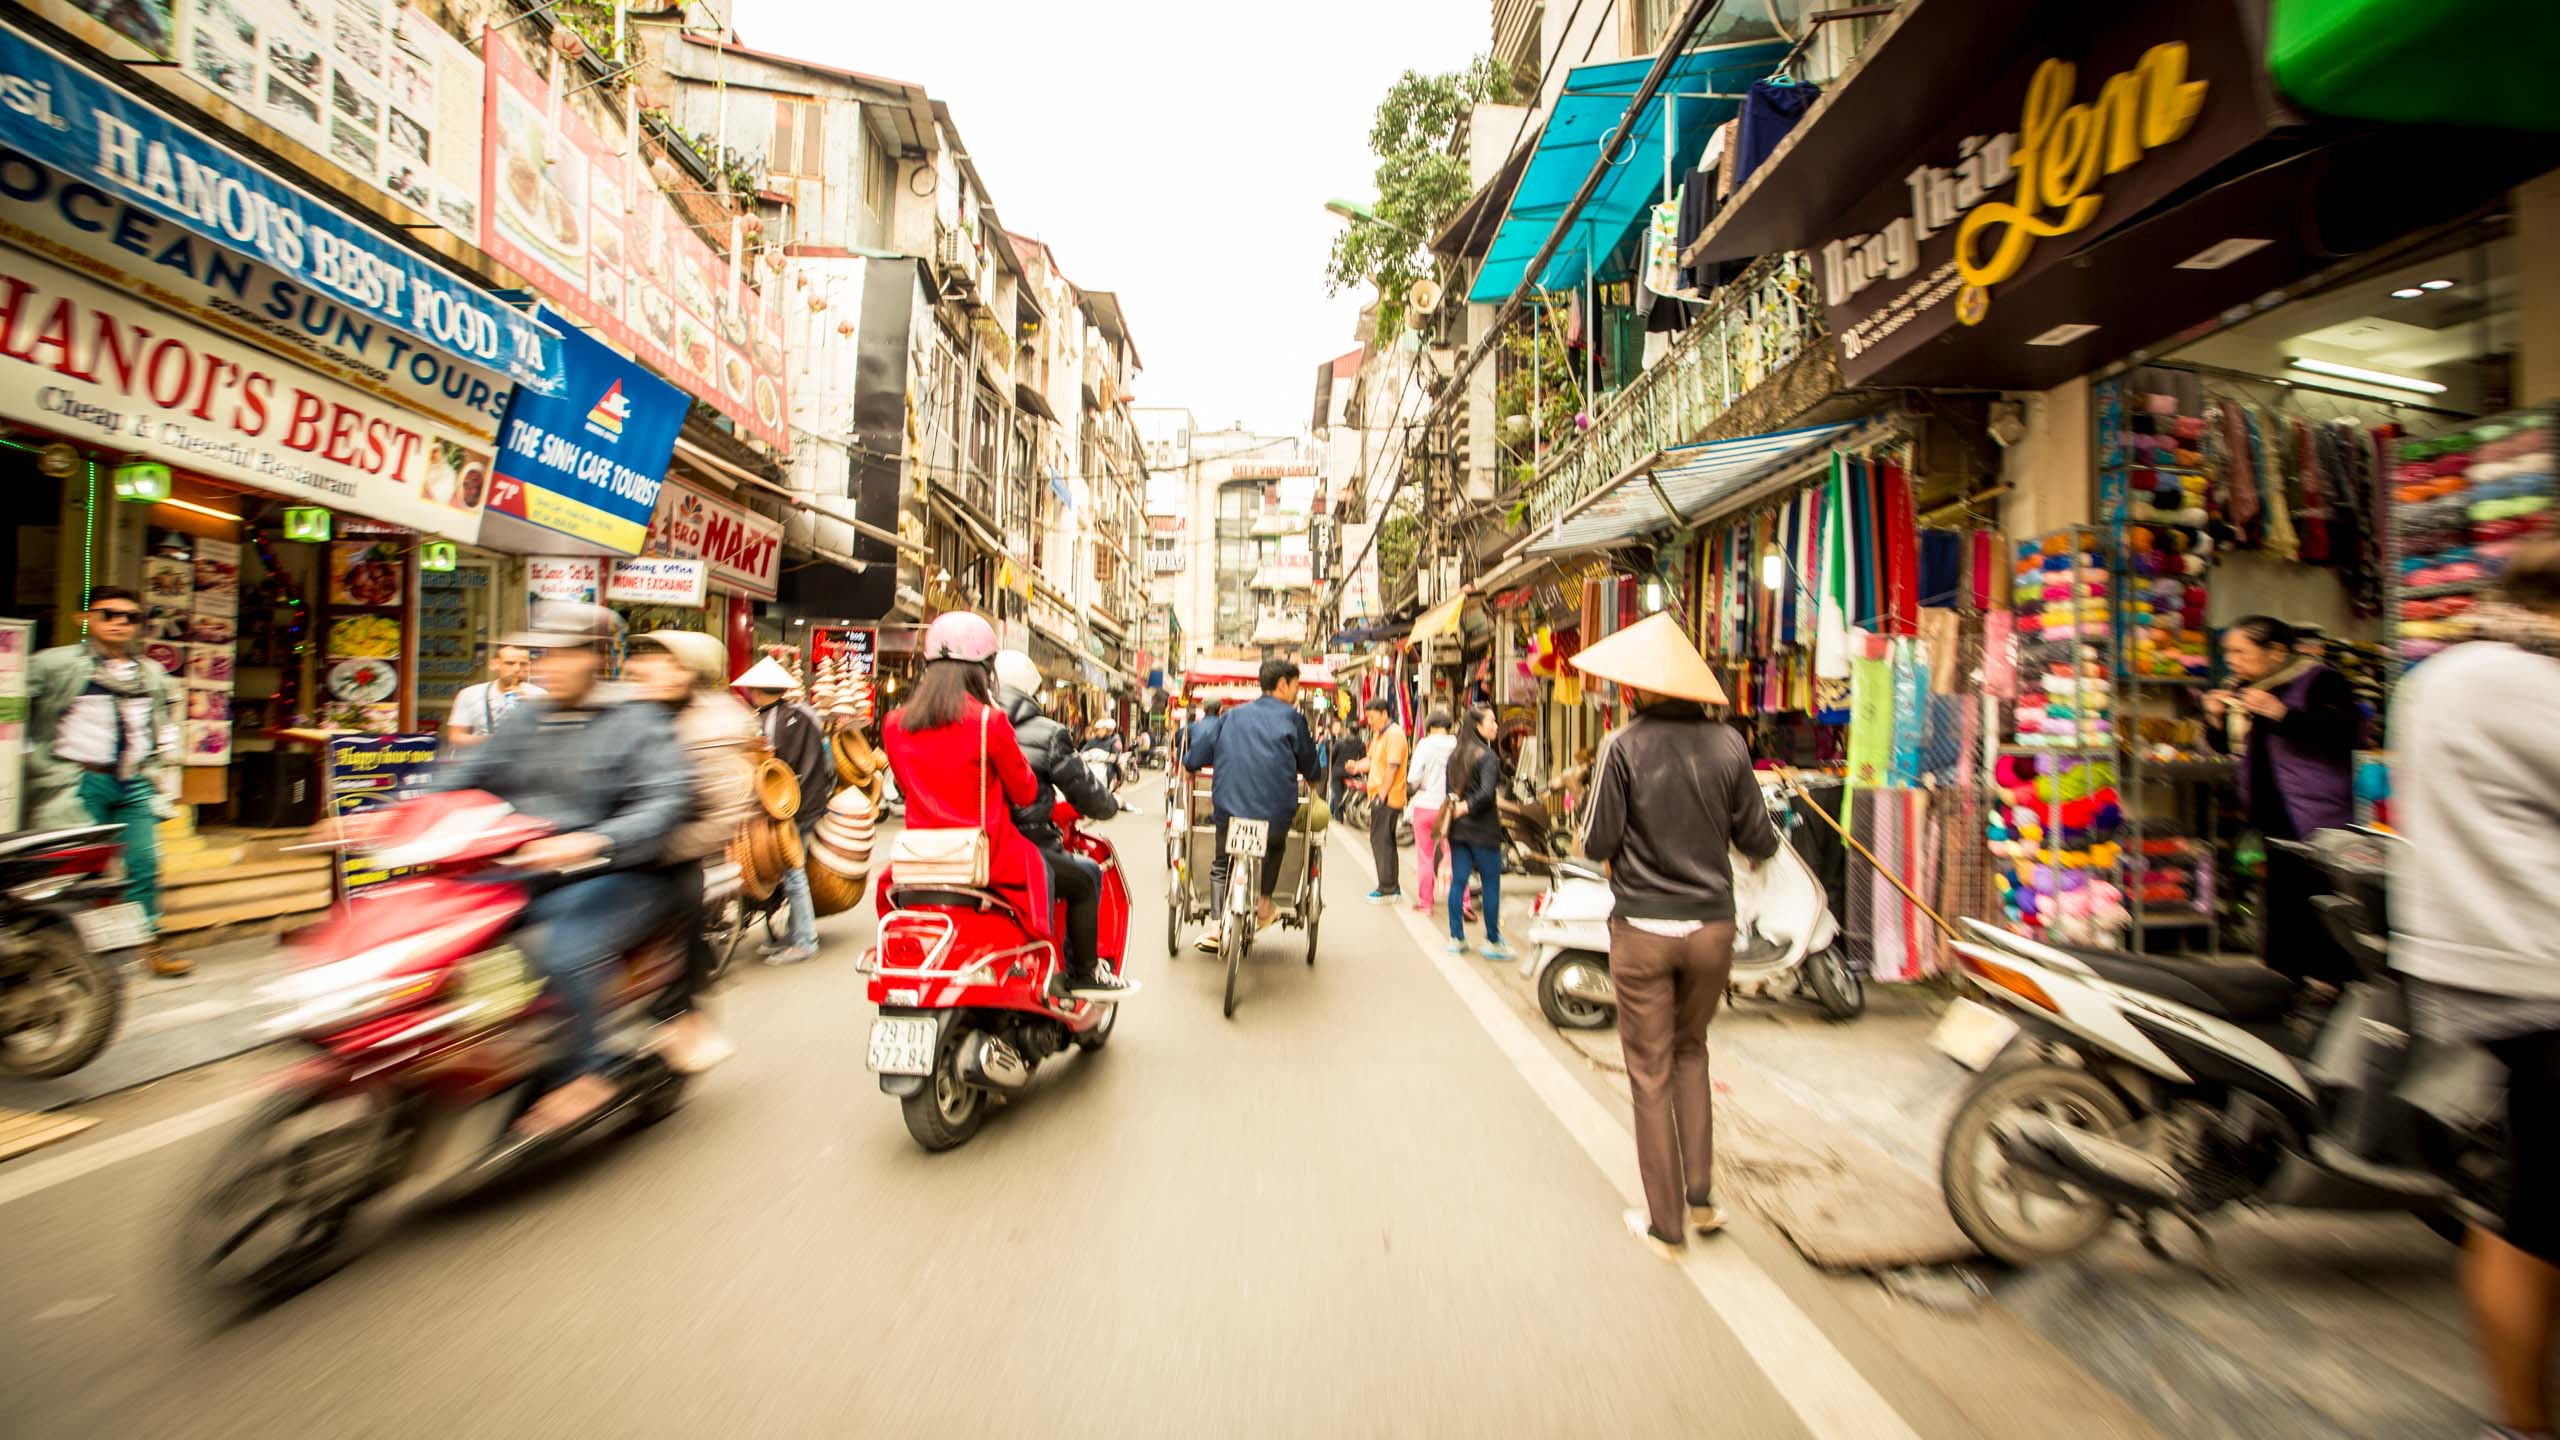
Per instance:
(2397,1179)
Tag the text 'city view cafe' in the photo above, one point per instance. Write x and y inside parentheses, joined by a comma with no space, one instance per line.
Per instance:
(331,465)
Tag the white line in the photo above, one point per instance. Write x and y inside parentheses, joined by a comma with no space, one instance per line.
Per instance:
(180,1017)
(26,1178)
(1818,1382)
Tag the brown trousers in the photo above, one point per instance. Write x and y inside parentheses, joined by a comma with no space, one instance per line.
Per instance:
(1668,991)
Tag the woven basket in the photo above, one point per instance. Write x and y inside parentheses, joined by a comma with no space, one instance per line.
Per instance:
(786,836)
(777,789)
(831,893)
(754,884)
(825,855)
(764,855)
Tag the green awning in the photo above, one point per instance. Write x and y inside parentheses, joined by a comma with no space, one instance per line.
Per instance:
(2420,62)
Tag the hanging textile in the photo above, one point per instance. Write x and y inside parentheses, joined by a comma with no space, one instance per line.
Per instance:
(1910,711)
(2000,655)
(1941,567)
(1870,714)
(1986,567)
(1938,631)
(1662,251)
(1770,111)
(1831,637)
(1901,529)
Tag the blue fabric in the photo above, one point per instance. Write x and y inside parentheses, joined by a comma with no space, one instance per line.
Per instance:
(804,909)
(1769,114)
(1484,862)
(110,801)
(1941,567)
(1259,752)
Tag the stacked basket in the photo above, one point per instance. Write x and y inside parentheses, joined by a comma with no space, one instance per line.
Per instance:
(769,844)
(840,852)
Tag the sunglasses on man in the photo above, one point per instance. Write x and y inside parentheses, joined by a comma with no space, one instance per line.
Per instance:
(117,616)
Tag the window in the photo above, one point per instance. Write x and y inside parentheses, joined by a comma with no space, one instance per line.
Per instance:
(799,139)
(1648,22)
(879,186)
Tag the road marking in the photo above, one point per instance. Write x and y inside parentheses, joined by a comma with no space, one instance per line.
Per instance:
(17,1182)
(71,1309)
(1818,1382)
(183,1015)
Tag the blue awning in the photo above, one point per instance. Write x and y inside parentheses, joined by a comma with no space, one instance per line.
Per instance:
(1698,479)
(1706,86)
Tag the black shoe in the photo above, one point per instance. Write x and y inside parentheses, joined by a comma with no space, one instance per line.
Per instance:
(1101,985)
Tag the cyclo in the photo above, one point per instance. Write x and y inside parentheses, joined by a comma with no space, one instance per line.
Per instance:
(1190,895)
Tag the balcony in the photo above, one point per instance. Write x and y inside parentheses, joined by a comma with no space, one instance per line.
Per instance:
(1758,324)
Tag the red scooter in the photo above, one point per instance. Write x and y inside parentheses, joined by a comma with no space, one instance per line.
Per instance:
(962,983)
(430,1035)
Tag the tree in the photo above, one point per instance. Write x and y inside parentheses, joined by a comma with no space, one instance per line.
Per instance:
(1420,184)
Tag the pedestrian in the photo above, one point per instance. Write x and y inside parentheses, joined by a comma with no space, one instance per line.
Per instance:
(477,709)
(1427,779)
(102,741)
(1473,820)
(799,740)
(1673,793)
(2295,725)
(681,671)
(1347,749)
(2475,788)
(1382,770)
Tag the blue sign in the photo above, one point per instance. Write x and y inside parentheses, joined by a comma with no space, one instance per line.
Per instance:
(70,118)
(588,461)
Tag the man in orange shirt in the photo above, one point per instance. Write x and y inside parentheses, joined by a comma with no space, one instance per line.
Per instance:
(1383,768)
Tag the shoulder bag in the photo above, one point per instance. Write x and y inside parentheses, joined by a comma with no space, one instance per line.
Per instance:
(956,855)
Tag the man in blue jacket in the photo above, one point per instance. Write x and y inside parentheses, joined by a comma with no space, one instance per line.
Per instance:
(1260,752)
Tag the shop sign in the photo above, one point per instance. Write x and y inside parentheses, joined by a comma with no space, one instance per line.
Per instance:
(587,462)
(857,645)
(583,222)
(568,579)
(650,580)
(68,117)
(100,365)
(81,227)
(373,772)
(2033,170)
(742,548)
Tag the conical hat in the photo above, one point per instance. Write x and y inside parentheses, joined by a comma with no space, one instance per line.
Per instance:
(1654,656)
(765,674)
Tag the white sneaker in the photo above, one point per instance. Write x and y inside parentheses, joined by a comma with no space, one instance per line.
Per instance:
(792,955)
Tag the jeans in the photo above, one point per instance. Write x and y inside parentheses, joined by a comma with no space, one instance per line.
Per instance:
(1486,862)
(1382,846)
(1426,856)
(1077,882)
(128,803)
(804,911)
(685,893)
(574,930)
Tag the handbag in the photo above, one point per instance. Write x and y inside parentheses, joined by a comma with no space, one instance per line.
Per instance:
(950,855)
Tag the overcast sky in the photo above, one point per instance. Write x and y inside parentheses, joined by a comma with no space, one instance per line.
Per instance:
(1177,153)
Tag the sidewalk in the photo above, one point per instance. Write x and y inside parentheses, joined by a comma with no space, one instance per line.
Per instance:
(2336,1326)
(169,1025)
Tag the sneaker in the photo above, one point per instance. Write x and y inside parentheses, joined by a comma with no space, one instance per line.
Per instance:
(1640,1225)
(1457,947)
(1495,950)
(1704,1218)
(792,955)
(1384,897)
(1102,985)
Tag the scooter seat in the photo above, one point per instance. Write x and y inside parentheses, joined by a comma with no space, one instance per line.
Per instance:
(2233,992)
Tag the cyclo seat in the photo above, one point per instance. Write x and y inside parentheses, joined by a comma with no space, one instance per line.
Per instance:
(2237,993)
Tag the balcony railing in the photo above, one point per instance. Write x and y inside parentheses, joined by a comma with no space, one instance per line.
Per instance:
(1757,325)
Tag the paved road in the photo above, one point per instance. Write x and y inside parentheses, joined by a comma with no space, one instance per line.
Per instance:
(1377,1202)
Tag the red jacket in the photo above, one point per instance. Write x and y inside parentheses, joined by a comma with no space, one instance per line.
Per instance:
(938,775)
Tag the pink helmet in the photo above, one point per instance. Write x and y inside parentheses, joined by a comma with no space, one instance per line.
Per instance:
(960,635)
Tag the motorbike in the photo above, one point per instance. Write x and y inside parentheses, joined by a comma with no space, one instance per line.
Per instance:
(65,939)
(1785,938)
(962,986)
(428,1035)
(2164,1089)
(1535,834)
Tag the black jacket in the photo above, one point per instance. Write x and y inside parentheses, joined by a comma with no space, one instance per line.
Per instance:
(1674,793)
(1056,764)
(1481,792)
(799,740)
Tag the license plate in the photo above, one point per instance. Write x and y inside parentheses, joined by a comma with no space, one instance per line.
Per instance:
(902,1045)
(112,927)
(1248,837)
(1972,1034)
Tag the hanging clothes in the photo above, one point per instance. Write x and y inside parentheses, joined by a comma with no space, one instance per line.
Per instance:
(1902,549)
(1770,112)
(1831,583)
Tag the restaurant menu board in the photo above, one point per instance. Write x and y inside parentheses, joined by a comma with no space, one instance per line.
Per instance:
(375,85)
(370,772)
(17,644)
(360,653)
(453,610)
(212,647)
(599,239)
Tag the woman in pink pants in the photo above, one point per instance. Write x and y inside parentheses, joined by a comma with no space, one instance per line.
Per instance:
(1427,777)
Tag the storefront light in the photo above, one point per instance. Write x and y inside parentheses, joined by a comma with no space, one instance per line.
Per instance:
(1773,569)
(440,557)
(306,522)
(144,482)
(1652,596)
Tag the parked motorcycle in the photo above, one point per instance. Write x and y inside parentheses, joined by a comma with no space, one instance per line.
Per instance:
(2159,1088)
(429,1036)
(962,983)
(1785,938)
(1536,834)
(65,938)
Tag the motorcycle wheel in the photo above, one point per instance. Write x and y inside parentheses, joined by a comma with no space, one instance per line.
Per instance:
(290,1179)
(946,1112)
(1567,1011)
(1100,1035)
(65,1006)
(2017,1217)
(1835,984)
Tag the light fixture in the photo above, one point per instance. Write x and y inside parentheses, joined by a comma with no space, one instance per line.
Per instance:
(798,623)
(205,510)
(1773,569)
(439,557)
(1652,596)
(2369,377)
(2435,284)
(2064,334)
(306,523)
(2222,253)
(142,481)
(2407,292)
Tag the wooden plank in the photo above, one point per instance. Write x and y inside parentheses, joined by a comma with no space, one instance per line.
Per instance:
(25,1130)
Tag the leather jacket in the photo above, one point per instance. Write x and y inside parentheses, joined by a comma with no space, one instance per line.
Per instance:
(1673,794)
(1057,766)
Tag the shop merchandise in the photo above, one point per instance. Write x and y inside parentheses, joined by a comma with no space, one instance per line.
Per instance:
(2462,502)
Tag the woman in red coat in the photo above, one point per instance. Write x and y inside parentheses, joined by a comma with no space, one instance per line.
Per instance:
(935,743)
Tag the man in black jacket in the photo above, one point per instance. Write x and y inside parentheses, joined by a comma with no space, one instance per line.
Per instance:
(1674,793)
(1060,770)
(799,740)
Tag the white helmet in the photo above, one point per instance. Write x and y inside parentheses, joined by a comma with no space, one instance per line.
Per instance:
(1016,672)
